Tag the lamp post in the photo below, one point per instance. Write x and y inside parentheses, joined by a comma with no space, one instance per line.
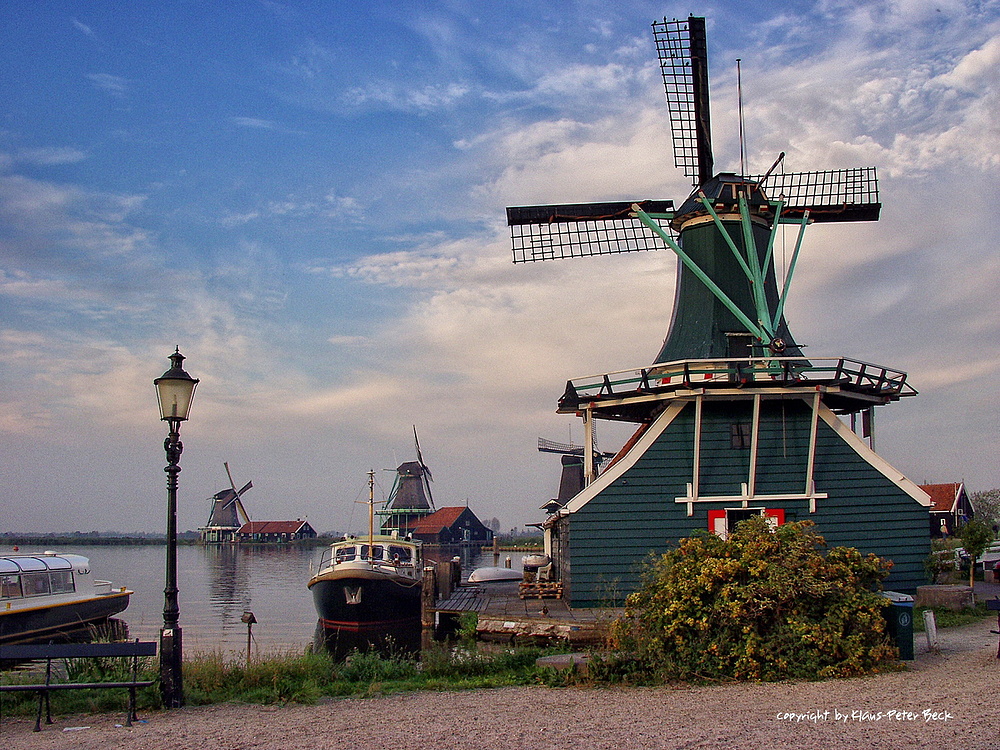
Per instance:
(174,391)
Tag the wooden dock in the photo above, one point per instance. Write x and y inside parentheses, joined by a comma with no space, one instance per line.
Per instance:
(505,615)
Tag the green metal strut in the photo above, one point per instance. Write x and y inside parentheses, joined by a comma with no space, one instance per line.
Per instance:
(756,330)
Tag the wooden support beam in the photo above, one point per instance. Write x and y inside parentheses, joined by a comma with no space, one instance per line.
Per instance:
(810,488)
(588,446)
(754,444)
(428,599)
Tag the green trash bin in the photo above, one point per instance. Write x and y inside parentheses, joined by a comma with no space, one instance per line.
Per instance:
(899,619)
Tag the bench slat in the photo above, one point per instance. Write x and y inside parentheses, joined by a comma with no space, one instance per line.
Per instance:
(21,688)
(76,650)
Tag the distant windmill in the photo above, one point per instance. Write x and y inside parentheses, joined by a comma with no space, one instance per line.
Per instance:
(410,498)
(424,470)
(228,511)
(571,479)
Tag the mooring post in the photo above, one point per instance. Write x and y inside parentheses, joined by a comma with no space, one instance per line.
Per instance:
(428,598)
(444,578)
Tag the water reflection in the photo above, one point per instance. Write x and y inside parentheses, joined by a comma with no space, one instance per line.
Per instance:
(229,583)
(218,583)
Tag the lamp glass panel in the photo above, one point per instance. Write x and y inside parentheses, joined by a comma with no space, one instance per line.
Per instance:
(175,396)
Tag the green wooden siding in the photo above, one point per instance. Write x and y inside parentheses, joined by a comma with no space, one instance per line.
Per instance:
(635,516)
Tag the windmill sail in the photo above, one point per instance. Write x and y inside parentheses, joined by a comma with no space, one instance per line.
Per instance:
(832,195)
(575,230)
(728,302)
(237,499)
(425,471)
(683,51)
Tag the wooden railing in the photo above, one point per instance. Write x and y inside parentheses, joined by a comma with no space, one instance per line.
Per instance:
(849,374)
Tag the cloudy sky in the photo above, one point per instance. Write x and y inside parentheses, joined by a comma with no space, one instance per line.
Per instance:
(308,198)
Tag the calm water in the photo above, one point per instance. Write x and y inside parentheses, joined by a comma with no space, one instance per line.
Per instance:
(217,584)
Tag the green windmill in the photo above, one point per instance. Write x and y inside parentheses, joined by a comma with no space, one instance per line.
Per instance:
(733,420)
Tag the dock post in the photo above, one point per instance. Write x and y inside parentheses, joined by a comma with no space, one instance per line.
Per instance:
(445,581)
(428,598)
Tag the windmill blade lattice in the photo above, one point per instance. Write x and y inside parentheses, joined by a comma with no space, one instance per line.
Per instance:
(833,195)
(574,230)
(238,494)
(682,48)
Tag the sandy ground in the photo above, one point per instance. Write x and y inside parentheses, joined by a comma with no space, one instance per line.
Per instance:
(944,700)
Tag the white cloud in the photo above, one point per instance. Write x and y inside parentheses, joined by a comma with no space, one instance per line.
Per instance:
(391,95)
(79,25)
(980,67)
(51,155)
(115,85)
(255,123)
(398,269)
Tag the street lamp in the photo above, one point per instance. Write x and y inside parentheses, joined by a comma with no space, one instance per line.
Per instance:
(174,391)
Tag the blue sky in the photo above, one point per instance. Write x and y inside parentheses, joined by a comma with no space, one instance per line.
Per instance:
(308,198)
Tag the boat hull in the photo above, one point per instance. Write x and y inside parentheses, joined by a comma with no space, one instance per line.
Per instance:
(366,610)
(59,620)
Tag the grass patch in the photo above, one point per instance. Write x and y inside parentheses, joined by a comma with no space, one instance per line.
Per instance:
(295,678)
(950,618)
(307,677)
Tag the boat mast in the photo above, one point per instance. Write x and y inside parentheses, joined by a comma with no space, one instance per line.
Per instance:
(371,515)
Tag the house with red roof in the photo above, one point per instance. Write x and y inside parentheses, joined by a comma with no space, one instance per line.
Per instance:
(457,525)
(275,531)
(950,507)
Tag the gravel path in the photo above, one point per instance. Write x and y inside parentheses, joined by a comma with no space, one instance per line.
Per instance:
(946,700)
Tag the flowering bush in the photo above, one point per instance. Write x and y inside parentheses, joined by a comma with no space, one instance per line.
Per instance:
(763,605)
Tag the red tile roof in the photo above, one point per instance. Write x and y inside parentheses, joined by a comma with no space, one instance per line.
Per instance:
(440,519)
(272,527)
(943,496)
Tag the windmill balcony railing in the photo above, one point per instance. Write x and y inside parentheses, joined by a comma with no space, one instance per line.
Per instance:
(849,374)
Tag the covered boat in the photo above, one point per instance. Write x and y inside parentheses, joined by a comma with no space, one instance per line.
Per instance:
(367,592)
(51,596)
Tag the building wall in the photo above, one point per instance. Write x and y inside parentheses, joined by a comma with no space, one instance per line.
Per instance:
(636,515)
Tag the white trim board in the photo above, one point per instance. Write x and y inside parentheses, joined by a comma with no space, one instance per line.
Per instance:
(668,415)
(873,459)
(627,461)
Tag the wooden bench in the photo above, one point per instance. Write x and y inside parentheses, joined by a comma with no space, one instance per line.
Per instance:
(50,651)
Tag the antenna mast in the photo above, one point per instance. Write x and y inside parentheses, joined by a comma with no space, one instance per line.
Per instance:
(739,105)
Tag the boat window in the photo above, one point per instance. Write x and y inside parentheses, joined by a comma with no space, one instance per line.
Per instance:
(61,581)
(31,564)
(10,587)
(8,566)
(346,553)
(35,584)
(402,553)
(376,552)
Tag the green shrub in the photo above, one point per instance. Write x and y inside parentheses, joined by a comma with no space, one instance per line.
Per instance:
(763,605)
(941,563)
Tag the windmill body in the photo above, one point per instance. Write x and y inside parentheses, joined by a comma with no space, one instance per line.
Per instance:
(732,419)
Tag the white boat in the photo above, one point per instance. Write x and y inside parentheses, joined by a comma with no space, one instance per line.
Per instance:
(52,596)
(490,575)
(367,592)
